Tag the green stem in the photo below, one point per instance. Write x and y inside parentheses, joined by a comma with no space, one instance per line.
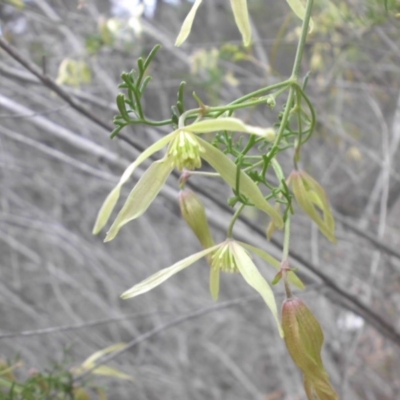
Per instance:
(285,258)
(233,220)
(286,241)
(204,173)
(295,74)
(302,41)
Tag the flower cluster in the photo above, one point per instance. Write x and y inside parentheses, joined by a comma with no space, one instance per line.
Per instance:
(185,150)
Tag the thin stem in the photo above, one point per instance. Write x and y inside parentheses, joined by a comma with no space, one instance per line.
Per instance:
(204,173)
(285,258)
(233,220)
(286,241)
(302,40)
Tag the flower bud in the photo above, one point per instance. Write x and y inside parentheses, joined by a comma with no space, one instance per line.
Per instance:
(304,339)
(312,199)
(194,213)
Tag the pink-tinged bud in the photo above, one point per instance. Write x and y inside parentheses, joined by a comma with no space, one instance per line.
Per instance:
(304,339)
(194,214)
(311,197)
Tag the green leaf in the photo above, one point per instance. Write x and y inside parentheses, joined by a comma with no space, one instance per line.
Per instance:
(228,169)
(187,24)
(111,200)
(159,277)
(253,277)
(142,195)
(241,14)
(299,9)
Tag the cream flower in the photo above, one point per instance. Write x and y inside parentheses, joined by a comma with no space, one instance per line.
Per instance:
(185,150)
(228,256)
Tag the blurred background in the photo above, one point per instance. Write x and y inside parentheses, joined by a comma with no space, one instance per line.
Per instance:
(57,166)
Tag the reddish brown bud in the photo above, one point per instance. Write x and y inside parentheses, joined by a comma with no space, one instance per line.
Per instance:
(304,339)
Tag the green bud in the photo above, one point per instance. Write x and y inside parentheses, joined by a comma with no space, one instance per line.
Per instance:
(271,102)
(304,339)
(194,214)
(312,199)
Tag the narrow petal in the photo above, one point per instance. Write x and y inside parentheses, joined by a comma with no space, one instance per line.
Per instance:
(301,194)
(161,276)
(227,124)
(214,283)
(106,209)
(322,201)
(111,200)
(261,253)
(142,195)
(157,146)
(187,24)
(292,277)
(253,277)
(90,362)
(227,169)
(241,13)
(299,9)
(219,124)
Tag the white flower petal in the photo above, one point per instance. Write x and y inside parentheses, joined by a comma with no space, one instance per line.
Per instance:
(187,23)
(227,169)
(106,209)
(161,276)
(219,124)
(241,13)
(111,200)
(142,195)
(253,277)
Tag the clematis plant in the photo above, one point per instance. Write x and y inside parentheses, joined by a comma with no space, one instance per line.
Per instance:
(246,165)
(185,150)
